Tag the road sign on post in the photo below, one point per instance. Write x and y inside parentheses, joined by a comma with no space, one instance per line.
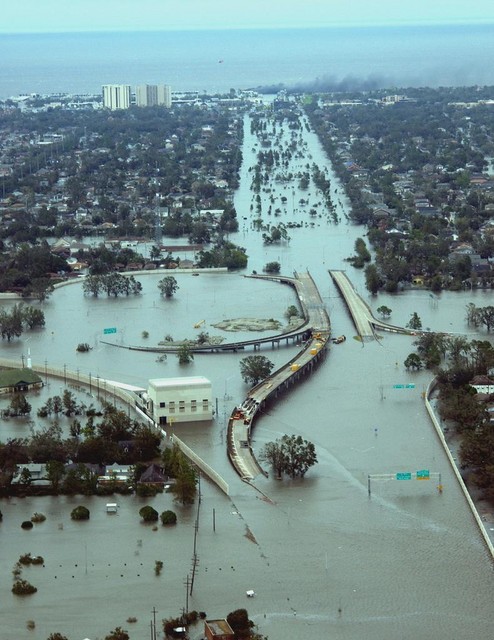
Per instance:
(110,330)
(423,474)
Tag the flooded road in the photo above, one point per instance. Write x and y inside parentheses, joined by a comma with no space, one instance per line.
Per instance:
(324,560)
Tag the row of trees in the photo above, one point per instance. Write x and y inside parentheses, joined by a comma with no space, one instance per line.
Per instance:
(456,361)
(113,284)
(478,316)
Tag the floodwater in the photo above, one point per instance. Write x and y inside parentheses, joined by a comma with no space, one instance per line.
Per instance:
(324,559)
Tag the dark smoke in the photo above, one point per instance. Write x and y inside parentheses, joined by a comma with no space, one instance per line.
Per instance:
(331,84)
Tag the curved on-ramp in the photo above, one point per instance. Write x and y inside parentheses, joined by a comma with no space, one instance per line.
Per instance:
(362,317)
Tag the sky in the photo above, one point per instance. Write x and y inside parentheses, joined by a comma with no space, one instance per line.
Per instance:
(39,16)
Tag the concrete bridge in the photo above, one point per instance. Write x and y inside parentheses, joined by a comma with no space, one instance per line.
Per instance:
(362,316)
(243,417)
(300,333)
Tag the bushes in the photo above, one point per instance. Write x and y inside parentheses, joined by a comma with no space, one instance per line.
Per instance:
(168,517)
(23,588)
(80,513)
(38,517)
(144,490)
(27,559)
(27,524)
(148,514)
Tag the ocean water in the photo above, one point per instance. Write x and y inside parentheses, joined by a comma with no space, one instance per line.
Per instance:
(215,61)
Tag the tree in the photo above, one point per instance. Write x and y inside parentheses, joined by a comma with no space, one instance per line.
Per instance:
(184,487)
(148,514)
(11,323)
(41,289)
(431,347)
(57,636)
(253,369)
(300,455)
(117,634)
(273,454)
(291,312)
(413,361)
(487,316)
(184,354)
(291,455)
(384,311)
(69,403)
(55,471)
(177,465)
(155,252)
(415,322)
(80,513)
(34,318)
(372,281)
(272,267)
(168,286)
(168,517)
(19,406)
(240,623)
(92,285)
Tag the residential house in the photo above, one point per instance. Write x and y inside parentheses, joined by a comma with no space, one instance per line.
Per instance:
(218,630)
(16,380)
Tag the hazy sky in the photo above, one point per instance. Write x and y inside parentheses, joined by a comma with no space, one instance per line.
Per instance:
(116,15)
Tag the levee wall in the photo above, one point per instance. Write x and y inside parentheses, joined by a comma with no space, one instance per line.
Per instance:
(430,410)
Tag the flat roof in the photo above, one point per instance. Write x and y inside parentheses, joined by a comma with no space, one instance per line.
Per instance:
(219,627)
(177,382)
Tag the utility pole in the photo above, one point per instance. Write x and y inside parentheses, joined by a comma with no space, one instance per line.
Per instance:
(186,595)
(153,624)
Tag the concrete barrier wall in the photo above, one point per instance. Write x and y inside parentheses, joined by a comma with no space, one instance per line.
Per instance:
(440,435)
(201,464)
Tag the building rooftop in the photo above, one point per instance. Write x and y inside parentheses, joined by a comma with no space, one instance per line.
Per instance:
(174,382)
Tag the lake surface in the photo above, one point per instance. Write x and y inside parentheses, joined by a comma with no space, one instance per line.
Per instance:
(321,556)
(214,61)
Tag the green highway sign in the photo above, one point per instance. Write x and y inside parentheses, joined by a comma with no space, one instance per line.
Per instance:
(423,474)
(404,476)
(110,330)
(403,386)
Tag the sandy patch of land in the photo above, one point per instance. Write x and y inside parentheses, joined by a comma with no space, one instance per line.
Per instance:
(248,324)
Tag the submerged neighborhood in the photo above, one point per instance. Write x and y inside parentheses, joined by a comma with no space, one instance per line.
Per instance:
(105,190)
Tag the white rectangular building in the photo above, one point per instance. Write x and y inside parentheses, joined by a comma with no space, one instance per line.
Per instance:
(164,94)
(171,400)
(151,95)
(116,96)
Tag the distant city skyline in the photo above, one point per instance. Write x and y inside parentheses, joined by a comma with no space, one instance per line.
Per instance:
(48,16)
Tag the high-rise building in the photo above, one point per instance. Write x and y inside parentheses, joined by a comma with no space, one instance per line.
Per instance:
(150,95)
(164,95)
(146,95)
(116,96)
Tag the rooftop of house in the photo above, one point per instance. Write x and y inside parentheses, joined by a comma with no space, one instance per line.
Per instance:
(11,377)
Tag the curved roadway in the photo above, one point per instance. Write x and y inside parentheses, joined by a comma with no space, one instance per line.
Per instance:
(362,317)
(242,417)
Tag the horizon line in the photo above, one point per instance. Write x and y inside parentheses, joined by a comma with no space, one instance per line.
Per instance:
(339,25)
